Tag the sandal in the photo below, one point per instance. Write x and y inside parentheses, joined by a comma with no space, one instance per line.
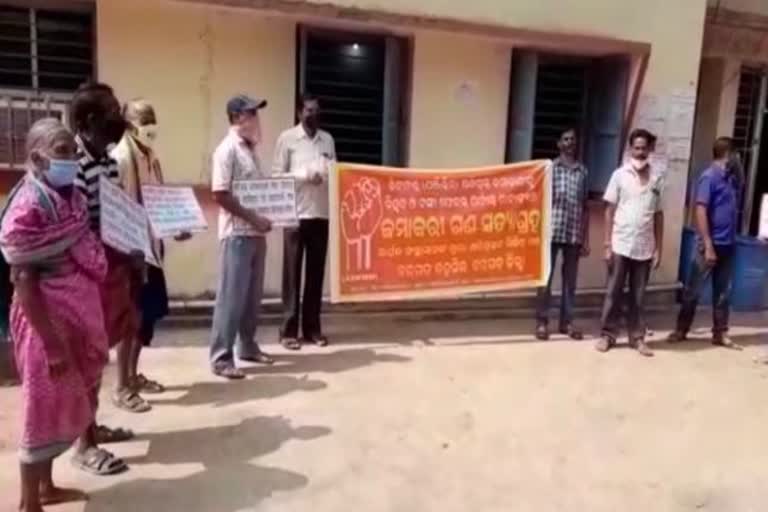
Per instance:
(318,339)
(129,400)
(228,372)
(572,333)
(290,343)
(676,337)
(106,435)
(542,333)
(726,342)
(142,384)
(98,461)
(643,349)
(260,358)
(604,344)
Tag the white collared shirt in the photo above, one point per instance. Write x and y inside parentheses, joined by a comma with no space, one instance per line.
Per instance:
(301,156)
(234,160)
(636,206)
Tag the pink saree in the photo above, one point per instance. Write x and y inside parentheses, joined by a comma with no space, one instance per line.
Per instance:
(50,233)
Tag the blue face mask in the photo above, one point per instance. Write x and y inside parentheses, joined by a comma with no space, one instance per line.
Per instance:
(61,173)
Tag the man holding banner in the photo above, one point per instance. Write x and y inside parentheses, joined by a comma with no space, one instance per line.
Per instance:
(570,234)
(243,248)
(306,153)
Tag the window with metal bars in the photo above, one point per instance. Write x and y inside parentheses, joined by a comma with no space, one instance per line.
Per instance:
(747,110)
(16,118)
(48,50)
(360,81)
(561,103)
(550,93)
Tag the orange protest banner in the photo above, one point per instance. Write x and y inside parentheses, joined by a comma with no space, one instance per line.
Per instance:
(405,233)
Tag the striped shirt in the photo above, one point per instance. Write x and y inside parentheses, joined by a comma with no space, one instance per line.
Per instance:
(87,180)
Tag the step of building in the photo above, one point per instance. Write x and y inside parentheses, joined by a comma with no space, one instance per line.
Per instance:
(197,313)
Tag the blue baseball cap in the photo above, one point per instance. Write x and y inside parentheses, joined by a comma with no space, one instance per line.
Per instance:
(241,103)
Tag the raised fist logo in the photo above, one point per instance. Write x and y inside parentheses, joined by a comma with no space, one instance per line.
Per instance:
(361,213)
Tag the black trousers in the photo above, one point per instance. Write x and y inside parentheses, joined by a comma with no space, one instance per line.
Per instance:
(722,277)
(309,241)
(570,270)
(621,270)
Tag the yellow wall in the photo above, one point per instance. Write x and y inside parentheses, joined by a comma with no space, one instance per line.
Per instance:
(188,59)
(459,107)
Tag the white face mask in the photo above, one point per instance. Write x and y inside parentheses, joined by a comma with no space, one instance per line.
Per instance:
(638,164)
(147,135)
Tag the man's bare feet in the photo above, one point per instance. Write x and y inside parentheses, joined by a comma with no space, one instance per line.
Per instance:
(55,495)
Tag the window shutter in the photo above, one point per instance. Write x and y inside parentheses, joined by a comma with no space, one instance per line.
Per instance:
(522,105)
(49,50)
(747,109)
(608,96)
(393,98)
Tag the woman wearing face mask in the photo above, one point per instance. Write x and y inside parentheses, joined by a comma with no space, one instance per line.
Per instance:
(139,166)
(56,319)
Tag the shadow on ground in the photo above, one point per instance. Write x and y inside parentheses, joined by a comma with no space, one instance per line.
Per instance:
(223,393)
(327,362)
(227,482)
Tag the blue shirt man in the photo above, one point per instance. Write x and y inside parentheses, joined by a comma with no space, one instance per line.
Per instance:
(718,191)
(717,210)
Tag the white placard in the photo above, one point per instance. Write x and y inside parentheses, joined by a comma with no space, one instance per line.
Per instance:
(274,198)
(124,223)
(173,210)
(763,232)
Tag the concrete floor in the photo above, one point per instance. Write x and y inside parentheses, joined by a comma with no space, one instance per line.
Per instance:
(449,416)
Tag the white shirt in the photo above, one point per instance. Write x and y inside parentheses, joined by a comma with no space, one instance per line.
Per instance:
(234,160)
(636,206)
(302,156)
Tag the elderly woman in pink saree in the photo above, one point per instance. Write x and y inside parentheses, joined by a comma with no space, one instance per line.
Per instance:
(56,318)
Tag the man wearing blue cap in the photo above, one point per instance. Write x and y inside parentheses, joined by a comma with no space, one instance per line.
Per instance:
(243,247)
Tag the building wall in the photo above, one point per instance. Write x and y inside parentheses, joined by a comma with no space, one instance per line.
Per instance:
(459,107)
(188,59)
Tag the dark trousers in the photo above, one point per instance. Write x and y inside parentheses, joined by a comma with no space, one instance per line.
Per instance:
(570,271)
(309,240)
(621,270)
(722,277)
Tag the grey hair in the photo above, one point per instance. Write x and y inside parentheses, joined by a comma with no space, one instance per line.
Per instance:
(42,135)
(135,109)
